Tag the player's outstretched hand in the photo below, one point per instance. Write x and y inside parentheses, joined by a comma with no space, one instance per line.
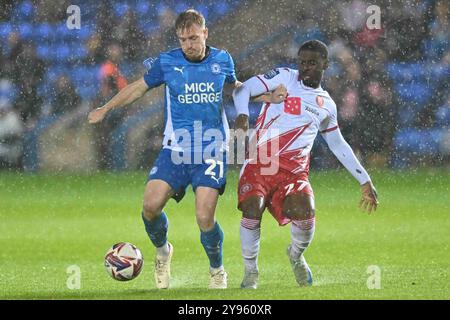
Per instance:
(279,94)
(369,198)
(96,115)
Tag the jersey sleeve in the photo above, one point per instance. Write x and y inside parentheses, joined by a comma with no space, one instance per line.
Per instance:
(231,73)
(342,150)
(331,123)
(272,79)
(256,86)
(154,76)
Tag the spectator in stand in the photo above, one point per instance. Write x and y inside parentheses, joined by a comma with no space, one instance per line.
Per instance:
(50,11)
(164,37)
(111,82)
(377,103)
(353,17)
(130,37)
(405,30)
(105,22)
(345,86)
(94,50)
(443,112)
(440,26)
(11,131)
(27,74)
(111,79)
(65,98)
(14,48)
(6,7)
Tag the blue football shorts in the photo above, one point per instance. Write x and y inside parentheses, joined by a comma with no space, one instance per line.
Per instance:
(210,172)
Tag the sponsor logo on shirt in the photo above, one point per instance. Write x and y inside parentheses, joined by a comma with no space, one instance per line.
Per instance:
(292,105)
(179,69)
(272,73)
(202,92)
(312,110)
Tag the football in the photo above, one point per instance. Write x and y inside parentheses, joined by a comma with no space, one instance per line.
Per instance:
(124,261)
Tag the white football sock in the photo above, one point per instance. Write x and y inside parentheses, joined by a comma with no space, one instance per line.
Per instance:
(215,270)
(302,233)
(250,231)
(163,251)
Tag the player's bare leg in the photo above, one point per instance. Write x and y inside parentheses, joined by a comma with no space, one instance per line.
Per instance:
(211,234)
(156,195)
(300,208)
(250,233)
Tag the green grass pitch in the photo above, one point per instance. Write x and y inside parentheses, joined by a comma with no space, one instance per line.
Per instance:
(50,222)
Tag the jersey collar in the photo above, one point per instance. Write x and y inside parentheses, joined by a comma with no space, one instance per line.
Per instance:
(319,88)
(207,53)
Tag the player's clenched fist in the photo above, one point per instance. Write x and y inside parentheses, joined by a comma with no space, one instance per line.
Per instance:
(279,94)
(97,115)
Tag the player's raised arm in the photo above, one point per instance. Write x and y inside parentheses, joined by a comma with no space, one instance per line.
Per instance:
(342,150)
(127,95)
(260,87)
(241,98)
(276,96)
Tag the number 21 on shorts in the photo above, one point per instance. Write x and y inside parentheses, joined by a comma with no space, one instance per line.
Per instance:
(212,165)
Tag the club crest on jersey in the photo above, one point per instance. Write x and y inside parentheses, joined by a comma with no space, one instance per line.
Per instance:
(319,101)
(148,63)
(272,73)
(245,188)
(215,68)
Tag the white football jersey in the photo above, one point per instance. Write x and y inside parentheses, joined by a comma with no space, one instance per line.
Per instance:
(294,123)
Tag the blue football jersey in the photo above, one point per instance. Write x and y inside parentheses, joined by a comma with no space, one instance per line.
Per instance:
(194,115)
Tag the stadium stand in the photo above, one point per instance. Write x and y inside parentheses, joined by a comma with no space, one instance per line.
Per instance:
(260,35)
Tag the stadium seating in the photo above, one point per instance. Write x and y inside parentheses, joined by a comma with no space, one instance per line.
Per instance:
(45,52)
(8,92)
(24,11)
(415,143)
(435,48)
(403,72)
(443,116)
(5,29)
(26,31)
(64,50)
(44,32)
(120,9)
(418,93)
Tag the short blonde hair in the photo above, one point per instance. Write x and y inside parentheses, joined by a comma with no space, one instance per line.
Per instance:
(189,17)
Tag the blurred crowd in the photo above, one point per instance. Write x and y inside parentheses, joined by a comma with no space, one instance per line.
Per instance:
(23,71)
(384,80)
(358,78)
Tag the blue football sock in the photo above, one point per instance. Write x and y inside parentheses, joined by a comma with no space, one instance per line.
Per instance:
(157,229)
(212,242)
